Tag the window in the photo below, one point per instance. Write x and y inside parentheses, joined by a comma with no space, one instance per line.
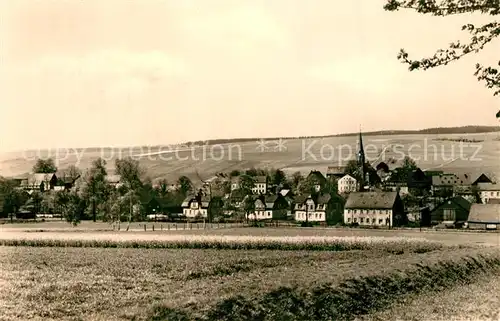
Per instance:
(361,220)
(373,221)
(380,221)
(268,213)
(348,220)
(449,214)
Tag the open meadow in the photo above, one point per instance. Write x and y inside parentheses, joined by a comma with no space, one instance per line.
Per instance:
(88,273)
(429,151)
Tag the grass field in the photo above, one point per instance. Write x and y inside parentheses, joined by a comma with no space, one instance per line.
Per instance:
(296,155)
(245,274)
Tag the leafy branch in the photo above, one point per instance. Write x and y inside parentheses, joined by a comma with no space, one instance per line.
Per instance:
(480,36)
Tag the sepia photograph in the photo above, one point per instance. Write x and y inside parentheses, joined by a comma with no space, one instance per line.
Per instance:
(206,160)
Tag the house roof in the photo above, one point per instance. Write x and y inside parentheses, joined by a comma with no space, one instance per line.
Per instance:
(285,192)
(451,179)
(36,179)
(347,176)
(494,201)
(484,213)
(371,200)
(459,200)
(323,199)
(205,200)
(318,175)
(261,179)
(270,200)
(335,170)
(488,187)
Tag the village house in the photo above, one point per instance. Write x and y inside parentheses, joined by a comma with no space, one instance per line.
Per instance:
(452,212)
(375,208)
(195,206)
(272,207)
(418,180)
(317,208)
(347,184)
(488,192)
(443,185)
(39,182)
(484,216)
(260,186)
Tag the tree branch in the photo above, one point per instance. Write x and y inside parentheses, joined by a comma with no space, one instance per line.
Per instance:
(445,7)
(480,37)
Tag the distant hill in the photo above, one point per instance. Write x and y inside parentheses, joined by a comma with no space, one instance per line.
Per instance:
(470,129)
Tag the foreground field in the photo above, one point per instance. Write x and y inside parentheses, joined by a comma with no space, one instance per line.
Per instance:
(87,273)
(98,231)
(145,284)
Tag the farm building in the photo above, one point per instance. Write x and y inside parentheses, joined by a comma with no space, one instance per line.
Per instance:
(273,207)
(452,211)
(374,209)
(39,182)
(484,216)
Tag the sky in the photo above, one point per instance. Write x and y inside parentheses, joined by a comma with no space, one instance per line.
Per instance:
(119,73)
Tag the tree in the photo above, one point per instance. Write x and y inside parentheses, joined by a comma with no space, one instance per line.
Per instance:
(216,209)
(36,201)
(185,185)
(161,187)
(296,179)
(96,188)
(409,164)
(46,166)
(352,169)
(247,183)
(480,36)
(75,208)
(11,198)
(249,206)
(307,186)
(130,173)
(278,177)
(234,173)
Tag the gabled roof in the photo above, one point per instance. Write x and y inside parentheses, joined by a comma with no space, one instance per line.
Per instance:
(484,213)
(205,201)
(371,200)
(318,175)
(459,200)
(346,176)
(36,179)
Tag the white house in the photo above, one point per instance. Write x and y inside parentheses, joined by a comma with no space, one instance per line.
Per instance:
(488,192)
(194,206)
(347,184)
(373,209)
(314,208)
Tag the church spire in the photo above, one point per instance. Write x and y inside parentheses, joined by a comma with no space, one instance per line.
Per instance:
(361,152)
(361,161)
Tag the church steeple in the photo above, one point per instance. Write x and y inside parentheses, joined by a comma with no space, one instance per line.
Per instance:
(361,162)
(361,152)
